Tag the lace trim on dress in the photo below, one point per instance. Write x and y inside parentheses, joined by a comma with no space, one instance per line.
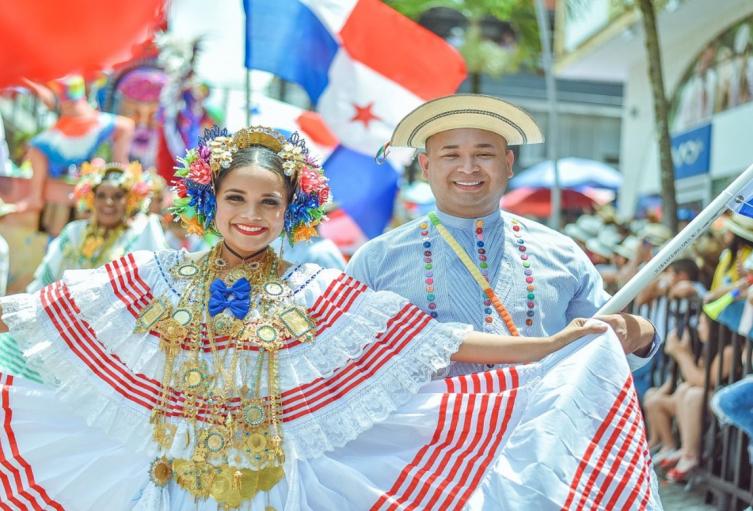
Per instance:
(360,326)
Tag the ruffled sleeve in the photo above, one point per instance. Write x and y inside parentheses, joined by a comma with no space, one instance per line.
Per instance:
(77,333)
(373,350)
(51,267)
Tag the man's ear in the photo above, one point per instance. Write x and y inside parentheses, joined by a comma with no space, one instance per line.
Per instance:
(510,157)
(423,162)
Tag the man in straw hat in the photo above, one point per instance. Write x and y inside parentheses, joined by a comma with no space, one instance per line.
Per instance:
(473,263)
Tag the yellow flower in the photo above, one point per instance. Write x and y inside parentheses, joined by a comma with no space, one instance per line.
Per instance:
(193,226)
(91,245)
(303,233)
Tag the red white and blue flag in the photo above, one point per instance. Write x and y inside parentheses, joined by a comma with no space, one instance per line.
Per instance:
(364,67)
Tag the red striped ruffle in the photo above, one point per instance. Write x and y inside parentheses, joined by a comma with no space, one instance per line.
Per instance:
(313,396)
(613,470)
(473,422)
(20,491)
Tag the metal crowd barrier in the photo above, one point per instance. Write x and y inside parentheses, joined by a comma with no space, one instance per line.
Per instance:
(724,470)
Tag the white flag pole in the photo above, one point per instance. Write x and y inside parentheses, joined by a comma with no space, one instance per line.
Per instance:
(679,243)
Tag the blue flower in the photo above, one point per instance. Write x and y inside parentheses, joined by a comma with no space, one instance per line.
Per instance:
(203,201)
(299,210)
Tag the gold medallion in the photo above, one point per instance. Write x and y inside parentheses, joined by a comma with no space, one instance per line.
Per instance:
(215,441)
(266,333)
(150,315)
(256,442)
(188,270)
(254,414)
(195,378)
(182,316)
(297,321)
(274,288)
(161,471)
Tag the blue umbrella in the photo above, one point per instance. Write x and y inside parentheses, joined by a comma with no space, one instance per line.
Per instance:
(575,173)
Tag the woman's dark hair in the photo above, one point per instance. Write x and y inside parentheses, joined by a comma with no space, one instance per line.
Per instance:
(738,242)
(261,156)
(686,266)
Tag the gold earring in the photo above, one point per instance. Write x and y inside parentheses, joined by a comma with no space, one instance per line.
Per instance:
(283,239)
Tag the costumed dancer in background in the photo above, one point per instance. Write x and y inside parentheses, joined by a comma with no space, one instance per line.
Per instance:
(182,116)
(115,195)
(228,380)
(137,96)
(80,134)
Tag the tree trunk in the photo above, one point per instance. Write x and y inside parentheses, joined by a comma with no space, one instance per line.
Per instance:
(661,114)
(475,82)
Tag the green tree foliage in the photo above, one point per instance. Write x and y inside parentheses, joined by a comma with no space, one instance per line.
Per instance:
(482,55)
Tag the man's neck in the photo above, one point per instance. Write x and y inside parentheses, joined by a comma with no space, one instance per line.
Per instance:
(467,215)
(464,221)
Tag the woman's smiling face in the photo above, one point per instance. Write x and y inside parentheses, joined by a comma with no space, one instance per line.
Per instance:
(251,203)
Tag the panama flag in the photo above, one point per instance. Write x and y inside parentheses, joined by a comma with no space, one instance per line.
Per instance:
(364,66)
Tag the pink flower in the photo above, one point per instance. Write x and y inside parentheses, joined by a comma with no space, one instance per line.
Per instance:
(323,195)
(141,188)
(200,172)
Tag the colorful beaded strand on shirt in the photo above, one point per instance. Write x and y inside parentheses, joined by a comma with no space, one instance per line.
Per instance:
(481,274)
(428,269)
(527,271)
(484,268)
(475,273)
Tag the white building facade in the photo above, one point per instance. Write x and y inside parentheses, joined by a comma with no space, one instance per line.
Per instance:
(707,52)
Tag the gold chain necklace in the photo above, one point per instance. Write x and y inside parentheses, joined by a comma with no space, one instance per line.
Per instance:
(94,250)
(233,432)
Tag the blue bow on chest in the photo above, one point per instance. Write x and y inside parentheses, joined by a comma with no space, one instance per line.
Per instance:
(236,297)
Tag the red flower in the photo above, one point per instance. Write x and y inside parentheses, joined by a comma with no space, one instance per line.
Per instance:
(310,180)
(200,172)
(323,195)
(180,187)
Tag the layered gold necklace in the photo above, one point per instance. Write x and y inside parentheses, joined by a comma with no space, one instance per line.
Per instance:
(220,395)
(96,247)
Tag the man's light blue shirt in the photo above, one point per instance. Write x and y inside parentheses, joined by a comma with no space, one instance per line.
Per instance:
(565,283)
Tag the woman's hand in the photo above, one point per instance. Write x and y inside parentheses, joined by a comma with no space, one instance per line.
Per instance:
(483,348)
(579,327)
(674,344)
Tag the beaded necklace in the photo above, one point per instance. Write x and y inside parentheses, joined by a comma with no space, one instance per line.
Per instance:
(231,431)
(480,271)
(96,246)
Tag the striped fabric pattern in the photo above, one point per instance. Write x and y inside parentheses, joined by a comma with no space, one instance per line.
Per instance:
(12,360)
(446,470)
(606,475)
(145,391)
(20,491)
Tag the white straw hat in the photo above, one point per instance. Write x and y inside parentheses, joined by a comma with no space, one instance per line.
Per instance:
(466,111)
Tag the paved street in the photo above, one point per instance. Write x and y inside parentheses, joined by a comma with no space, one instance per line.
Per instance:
(675,498)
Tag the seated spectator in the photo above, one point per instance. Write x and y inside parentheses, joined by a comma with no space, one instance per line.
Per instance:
(679,281)
(684,404)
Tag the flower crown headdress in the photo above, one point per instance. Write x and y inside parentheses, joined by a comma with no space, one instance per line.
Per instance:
(131,178)
(197,171)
